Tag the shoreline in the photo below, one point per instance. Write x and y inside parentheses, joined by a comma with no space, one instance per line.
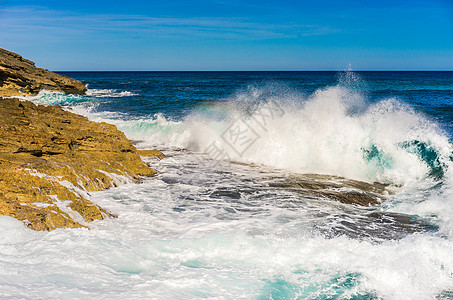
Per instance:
(51,159)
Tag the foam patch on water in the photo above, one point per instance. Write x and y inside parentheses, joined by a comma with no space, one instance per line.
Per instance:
(109,93)
(14,231)
(62,99)
(53,98)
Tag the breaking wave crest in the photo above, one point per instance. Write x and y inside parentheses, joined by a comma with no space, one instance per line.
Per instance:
(332,131)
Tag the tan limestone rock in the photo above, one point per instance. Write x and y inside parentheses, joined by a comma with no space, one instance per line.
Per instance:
(20,76)
(154,153)
(51,158)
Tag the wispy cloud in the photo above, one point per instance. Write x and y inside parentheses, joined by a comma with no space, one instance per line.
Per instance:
(63,24)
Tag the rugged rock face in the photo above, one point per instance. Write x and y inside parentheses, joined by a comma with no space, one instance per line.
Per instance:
(19,76)
(50,159)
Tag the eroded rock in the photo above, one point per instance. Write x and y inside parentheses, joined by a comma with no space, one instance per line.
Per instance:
(155,153)
(20,76)
(336,188)
(50,159)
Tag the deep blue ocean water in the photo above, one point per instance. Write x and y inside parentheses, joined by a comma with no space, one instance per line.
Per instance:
(217,222)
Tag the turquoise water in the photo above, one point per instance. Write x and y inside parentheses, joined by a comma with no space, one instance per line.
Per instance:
(212,224)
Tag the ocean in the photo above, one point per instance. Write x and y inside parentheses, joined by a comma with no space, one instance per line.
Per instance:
(247,204)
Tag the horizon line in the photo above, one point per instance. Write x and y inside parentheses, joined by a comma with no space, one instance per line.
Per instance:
(365,70)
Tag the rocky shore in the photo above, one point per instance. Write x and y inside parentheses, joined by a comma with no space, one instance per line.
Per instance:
(50,159)
(20,76)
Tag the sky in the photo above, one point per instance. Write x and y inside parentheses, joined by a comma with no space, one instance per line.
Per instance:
(230,35)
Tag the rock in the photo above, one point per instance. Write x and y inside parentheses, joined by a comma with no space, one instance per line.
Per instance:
(50,159)
(155,153)
(379,225)
(19,76)
(336,188)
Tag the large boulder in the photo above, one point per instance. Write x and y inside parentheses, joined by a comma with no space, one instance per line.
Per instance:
(20,76)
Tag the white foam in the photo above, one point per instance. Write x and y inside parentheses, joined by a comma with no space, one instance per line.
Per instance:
(13,231)
(62,99)
(52,98)
(153,251)
(109,93)
(330,132)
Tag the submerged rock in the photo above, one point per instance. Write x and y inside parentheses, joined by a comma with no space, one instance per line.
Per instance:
(336,188)
(20,76)
(364,219)
(380,226)
(51,158)
(156,153)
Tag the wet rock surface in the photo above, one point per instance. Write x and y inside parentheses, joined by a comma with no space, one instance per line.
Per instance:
(154,153)
(361,217)
(336,188)
(379,226)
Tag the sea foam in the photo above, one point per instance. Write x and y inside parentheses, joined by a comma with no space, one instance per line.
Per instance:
(334,131)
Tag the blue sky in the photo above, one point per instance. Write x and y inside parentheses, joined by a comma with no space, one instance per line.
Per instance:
(230,34)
